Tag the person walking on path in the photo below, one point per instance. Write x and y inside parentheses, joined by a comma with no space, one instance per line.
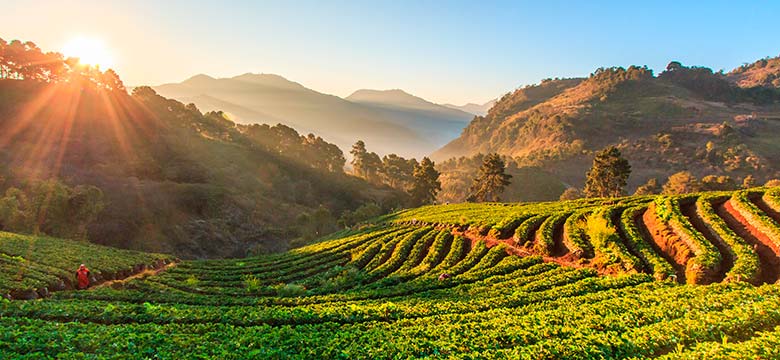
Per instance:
(82,275)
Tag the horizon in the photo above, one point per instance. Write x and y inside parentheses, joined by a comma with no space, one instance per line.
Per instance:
(458,54)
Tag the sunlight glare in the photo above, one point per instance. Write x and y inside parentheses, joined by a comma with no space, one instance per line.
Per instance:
(90,51)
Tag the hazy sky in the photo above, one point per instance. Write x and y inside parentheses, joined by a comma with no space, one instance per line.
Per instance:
(445,51)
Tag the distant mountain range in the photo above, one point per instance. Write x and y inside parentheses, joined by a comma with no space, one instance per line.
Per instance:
(472,108)
(390,121)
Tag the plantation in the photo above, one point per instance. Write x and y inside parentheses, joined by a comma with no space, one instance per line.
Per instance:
(690,277)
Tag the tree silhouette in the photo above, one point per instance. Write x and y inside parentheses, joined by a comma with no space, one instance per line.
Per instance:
(426,184)
(491,180)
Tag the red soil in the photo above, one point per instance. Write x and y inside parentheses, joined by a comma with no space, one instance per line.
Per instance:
(768,253)
(666,243)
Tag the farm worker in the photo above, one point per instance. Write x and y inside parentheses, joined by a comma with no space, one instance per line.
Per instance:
(82,275)
(444,276)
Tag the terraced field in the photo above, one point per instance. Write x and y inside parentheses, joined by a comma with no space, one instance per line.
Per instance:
(618,278)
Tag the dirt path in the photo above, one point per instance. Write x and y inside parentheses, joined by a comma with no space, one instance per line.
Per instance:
(768,254)
(662,240)
(142,274)
(727,262)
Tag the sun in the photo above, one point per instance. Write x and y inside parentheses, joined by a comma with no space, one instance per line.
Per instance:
(90,51)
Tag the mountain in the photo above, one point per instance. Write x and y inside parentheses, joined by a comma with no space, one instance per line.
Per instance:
(686,118)
(408,129)
(436,123)
(472,108)
(83,159)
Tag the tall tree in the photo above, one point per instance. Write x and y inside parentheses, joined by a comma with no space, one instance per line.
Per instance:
(397,172)
(491,180)
(426,183)
(359,154)
(609,175)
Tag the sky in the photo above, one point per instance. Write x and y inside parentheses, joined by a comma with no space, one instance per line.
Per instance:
(444,51)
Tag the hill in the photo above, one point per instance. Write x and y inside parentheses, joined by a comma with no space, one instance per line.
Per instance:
(436,123)
(762,73)
(81,158)
(346,295)
(35,266)
(662,124)
(472,108)
(387,125)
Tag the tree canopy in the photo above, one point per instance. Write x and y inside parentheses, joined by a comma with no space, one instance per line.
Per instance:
(426,184)
(491,180)
(609,175)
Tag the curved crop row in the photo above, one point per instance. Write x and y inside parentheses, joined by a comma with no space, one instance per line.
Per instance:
(574,235)
(544,242)
(755,217)
(525,232)
(610,252)
(706,260)
(746,264)
(656,264)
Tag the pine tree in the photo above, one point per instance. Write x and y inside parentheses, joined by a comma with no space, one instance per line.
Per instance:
(426,183)
(491,180)
(609,175)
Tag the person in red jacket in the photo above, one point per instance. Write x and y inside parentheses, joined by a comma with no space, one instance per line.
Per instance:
(82,275)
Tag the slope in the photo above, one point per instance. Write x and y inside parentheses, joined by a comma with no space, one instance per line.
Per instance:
(336,120)
(438,124)
(662,124)
(172,179)
(378,292)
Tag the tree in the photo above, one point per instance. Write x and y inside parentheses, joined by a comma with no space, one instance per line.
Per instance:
(397,172)
(717,183)
(674,65)
(682,182)
(571,193)
(649,188)
(425,184)
(749,182)
(773,183)
(609,175)
(490,181)
(365,164)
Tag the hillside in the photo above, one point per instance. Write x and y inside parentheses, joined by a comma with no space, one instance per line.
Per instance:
(436,123)
(80,158)
(35,266)
(526,296)
(384,124)
(763,73)
(662,124)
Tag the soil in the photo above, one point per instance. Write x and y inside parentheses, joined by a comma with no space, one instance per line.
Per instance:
(768,253)
(727,262)
(666,243)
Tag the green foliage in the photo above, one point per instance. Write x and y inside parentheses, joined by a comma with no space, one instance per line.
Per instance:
(361,214)
(528,183)
(51,207)
(609,175)
(425,183)
(490,181)
(252,283)
(681,183)
(29,263)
